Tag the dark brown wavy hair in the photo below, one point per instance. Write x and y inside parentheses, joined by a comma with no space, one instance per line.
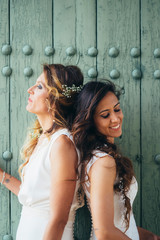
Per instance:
(87,138)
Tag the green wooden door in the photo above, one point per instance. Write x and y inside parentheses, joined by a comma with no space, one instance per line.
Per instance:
(118,40)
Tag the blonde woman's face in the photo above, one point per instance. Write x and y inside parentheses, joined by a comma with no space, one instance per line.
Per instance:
(38,94)
(108,117)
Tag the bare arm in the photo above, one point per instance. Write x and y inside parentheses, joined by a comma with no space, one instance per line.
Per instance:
(10,182)
(102,176)
(63,166)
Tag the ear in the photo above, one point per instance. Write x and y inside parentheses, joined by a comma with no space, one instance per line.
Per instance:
(50,107)
(53,105)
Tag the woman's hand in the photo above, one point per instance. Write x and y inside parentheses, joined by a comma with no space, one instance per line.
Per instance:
(10,182)
(1,175)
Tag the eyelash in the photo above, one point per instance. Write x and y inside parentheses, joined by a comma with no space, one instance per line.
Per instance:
(39,86)
(115,110)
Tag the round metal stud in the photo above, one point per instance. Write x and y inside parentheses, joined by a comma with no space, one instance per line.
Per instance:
(135,52)
(27,50)
(7,237)
(7,155)
(92,52)
(114,74)
(157,158)
(28,71)
(113,52)
(6,71)
(136,74)
(6,49)
(157,74)
(49,51)
(157,53)
(70,51)
(92,73)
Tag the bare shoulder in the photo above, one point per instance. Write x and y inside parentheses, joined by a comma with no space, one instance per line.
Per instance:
(63,141)
(105,162)
(103,170)
(64,149)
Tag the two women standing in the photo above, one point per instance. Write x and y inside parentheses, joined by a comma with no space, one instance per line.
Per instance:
(50,172)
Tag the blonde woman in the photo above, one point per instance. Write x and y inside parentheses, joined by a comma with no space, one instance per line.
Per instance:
(49,173)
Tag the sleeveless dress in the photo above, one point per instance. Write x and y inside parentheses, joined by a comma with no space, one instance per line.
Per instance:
(34,194)
(119,208)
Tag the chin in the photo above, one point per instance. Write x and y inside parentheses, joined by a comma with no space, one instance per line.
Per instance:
(116,135)
(28,109)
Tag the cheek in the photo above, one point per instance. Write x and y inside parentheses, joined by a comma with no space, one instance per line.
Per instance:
(42,98)
(41,102)
(121,116)
(102,125)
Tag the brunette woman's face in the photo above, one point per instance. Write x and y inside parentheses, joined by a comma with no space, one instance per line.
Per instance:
(108,117)
(38,95)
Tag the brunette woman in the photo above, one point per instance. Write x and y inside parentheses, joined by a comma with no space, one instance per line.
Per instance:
(107,176)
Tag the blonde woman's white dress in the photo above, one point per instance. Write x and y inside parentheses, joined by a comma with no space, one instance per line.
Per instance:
(119,208)
(35,193)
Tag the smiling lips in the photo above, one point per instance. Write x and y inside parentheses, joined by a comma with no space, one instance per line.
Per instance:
(115,127)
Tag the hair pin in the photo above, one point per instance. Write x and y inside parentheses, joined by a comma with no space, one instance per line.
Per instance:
(68,90)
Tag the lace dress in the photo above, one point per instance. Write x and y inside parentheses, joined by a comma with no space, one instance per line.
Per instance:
(34,194)
(119,208)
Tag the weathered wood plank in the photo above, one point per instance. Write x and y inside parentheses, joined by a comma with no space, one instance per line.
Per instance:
(64,29)
(4,117)
(31,24)
(85,41)
(86,17)
(118,26)
(150,129)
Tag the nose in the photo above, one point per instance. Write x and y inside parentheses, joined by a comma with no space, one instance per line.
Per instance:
(30,90)
(114,117)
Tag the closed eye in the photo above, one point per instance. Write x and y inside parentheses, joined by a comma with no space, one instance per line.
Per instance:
(117,110)
(105,116)
(39,86)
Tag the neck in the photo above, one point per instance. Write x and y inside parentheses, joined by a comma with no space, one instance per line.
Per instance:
(111,140)
(46,121)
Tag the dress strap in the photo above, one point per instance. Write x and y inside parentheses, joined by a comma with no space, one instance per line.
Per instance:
(96,155)
(60,132)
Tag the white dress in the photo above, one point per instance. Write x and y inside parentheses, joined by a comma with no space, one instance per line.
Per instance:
(34,194)
(119,208)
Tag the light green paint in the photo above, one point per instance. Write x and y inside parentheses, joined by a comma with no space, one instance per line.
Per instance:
(103,24)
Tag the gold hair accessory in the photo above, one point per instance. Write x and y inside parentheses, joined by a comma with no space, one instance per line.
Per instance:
(68,90)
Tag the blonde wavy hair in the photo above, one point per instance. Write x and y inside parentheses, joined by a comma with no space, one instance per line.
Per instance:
(59,105)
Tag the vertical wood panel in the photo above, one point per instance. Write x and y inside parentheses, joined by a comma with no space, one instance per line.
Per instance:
(84,24)
(31,23)
(86,34)
(4,117)
(64,22)
(150,35)
(85,39)
(118,26)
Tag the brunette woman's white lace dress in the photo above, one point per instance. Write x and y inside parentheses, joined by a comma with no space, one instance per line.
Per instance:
(119,208)
(35,193)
